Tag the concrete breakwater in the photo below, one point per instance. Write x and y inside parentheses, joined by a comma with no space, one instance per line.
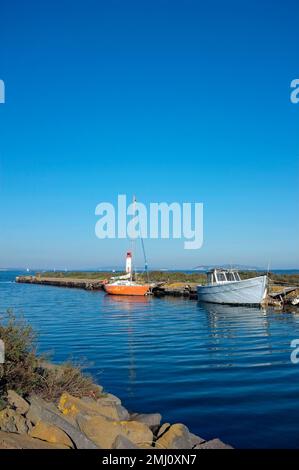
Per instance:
(89,423)
(175,289)
(88,284)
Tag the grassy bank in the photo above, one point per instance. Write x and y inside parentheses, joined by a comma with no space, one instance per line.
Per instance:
(167,276)
(26,372)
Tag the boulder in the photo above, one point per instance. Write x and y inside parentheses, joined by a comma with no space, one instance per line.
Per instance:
(112,410)
(137,432)
(37,409)
(152,420)
(34,414)
(43,411)
(195,440)
(109,397)
(72,406)
(12,421)
(50,433)
(213,444)
(104,431)
(23,441)
(99,429)
(162,429)
(122,442)
(17,402)
(3,404)
(176,437)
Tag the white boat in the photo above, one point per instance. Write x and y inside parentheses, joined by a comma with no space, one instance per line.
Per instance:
(226,287)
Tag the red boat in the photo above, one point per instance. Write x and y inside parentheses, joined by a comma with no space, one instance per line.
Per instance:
(127,288)
(125,285)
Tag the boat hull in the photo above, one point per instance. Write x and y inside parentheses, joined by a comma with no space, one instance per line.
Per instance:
(247,292)
(126,290)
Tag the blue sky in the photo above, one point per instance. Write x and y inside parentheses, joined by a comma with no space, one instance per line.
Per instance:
(168,100)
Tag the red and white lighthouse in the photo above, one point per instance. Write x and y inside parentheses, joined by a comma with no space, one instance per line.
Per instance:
(129,263)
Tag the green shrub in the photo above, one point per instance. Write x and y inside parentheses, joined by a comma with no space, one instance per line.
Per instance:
(26,372)
(18,370)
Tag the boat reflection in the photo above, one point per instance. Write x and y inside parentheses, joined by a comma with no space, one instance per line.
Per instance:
(129,310)
(233,327)
(234,313)
(128,302)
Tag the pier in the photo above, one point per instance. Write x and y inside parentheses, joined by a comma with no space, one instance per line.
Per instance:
(279,296)
(87,284)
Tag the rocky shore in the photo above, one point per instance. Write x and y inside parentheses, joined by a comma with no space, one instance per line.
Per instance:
(89,423)
(49,406)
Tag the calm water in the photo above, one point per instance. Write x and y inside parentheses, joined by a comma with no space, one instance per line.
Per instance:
(223,371)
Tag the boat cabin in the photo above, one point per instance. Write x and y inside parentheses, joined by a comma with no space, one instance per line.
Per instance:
(222,276)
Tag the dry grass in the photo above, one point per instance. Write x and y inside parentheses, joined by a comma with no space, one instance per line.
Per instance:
(169,276)
(66,378)
(26,372)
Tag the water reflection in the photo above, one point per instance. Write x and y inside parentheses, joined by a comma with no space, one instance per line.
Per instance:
(227,320)
(244,334)
(223,371)
(128,306)
(128,302)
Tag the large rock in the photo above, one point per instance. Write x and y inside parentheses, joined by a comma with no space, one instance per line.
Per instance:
(152,420)
(137,432)
(195,440)
(163,429)
(50,433)
(109,397)
(112,410)
(23,441)
(72,406)
(17,402)
(213,444)
(122,442)
(12,421)
(3,404)
(176,437)
(104,431)
(43,411)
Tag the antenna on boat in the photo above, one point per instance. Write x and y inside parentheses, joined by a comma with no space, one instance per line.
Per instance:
(142,246)
(132,241)
(145,259)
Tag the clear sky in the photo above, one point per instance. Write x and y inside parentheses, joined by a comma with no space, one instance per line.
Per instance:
(168,100)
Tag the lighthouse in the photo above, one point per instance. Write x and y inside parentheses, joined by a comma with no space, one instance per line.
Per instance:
(129,263)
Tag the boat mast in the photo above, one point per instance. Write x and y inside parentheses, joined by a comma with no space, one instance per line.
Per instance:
(142,244)
(132,241)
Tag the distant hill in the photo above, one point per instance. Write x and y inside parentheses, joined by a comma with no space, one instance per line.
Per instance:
(241,267)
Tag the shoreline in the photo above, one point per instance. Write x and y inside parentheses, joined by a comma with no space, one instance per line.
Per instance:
(90,423)
(94,421)
(56,406)
(87,284)
(278,297)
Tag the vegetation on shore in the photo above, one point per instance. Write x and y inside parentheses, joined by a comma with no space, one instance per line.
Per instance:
(26,372)
(166,276)
(43,406)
